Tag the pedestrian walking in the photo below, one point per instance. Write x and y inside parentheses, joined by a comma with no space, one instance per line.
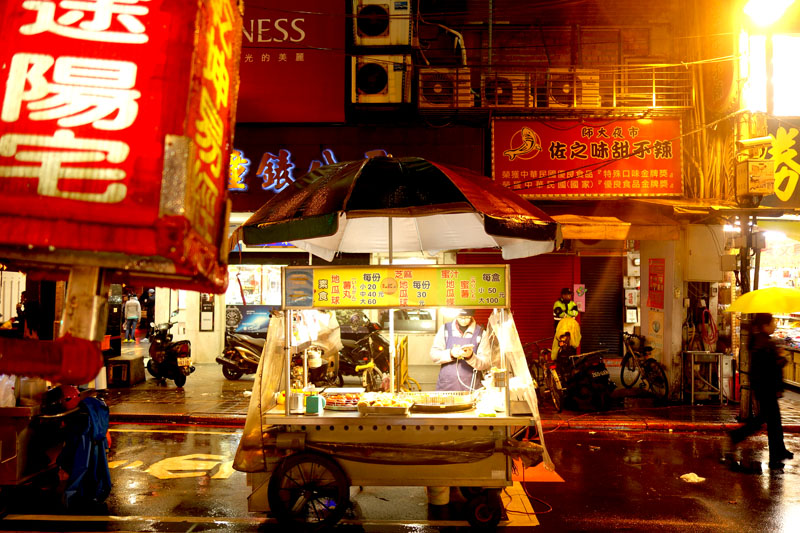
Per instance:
(132,311)
(766,382)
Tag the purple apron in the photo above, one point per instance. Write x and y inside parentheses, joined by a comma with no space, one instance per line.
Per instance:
(457,375)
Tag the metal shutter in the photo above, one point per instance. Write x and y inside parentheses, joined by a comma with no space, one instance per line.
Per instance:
(536,283)
(601,324)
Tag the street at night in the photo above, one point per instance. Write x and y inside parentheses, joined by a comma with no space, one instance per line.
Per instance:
(169,478)
(401,266)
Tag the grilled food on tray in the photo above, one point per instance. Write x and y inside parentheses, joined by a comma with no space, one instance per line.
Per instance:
(383,399)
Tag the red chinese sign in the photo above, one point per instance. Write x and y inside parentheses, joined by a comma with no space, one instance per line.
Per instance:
(115,131)
(292,64)
(588,158)
(655,283)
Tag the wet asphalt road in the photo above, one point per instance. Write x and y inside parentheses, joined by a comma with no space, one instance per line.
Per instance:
(169,478)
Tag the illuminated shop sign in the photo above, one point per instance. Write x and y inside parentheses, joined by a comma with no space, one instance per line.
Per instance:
(783,151)
(276,172)
(588,158)
(114,132)
(291,65)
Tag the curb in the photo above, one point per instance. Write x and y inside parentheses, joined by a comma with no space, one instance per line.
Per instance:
(238,421)
(182,419)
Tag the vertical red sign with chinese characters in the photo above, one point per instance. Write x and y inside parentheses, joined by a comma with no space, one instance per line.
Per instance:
(293,61)
(655,283)
(92,94)
(588,158)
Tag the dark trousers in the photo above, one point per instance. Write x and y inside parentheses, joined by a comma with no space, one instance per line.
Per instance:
(768,412)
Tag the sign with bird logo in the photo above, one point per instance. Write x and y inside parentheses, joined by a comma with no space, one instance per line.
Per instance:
(588,158)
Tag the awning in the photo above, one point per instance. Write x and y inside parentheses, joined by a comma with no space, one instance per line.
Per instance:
(790,228)
(614,229)
(615,220)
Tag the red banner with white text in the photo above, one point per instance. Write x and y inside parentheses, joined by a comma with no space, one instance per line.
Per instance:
(115,133)
(588,158)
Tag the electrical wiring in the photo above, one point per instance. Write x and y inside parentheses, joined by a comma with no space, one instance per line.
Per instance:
(709,332)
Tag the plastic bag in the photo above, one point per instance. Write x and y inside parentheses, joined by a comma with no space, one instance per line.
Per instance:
(8,397)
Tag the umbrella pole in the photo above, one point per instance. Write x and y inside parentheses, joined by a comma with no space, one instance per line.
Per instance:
(391,324)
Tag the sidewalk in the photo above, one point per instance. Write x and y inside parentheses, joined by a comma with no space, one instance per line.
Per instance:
(210,399)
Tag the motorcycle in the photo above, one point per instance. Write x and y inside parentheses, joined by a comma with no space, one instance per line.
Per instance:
(168,359)
(321,368)
(241,355)
(365,353)
(582,380)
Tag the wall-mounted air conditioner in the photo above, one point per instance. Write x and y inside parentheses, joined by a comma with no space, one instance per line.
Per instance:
(381,79)
(445,88)
(569,87)
(382,22)
(504,90)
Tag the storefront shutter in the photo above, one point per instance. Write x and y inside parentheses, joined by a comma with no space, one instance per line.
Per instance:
(601,324)
(536,283)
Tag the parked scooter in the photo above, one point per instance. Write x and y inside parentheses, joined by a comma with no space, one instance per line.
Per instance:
(581,380)
(321,367)
(241,355)
(365,353)
(168,359)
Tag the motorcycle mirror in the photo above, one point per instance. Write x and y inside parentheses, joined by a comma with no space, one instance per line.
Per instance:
(174,313)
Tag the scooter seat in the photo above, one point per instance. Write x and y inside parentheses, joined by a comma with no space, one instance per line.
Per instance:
(254,342)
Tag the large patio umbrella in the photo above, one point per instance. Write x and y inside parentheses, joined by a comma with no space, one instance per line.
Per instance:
(399,204)
(773,300)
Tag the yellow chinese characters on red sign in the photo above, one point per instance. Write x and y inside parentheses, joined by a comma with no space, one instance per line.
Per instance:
(396,286)
(210,115)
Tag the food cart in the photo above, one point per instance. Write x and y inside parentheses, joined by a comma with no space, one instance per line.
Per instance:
(301,466)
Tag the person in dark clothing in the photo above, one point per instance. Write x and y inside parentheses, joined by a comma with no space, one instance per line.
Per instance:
(766,382)
(28,316)
(148,302)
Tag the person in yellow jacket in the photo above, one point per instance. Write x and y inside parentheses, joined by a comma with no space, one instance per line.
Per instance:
(564,306)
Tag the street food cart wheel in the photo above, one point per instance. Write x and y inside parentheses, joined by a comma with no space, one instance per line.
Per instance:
(486,509)
(308,488)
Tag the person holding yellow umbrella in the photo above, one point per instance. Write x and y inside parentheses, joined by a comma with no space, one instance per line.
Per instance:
(766,363)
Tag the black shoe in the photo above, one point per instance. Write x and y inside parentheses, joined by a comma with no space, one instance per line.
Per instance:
(787,455)
(776,465)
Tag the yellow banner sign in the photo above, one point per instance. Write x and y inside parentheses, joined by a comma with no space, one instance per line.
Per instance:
(395,286)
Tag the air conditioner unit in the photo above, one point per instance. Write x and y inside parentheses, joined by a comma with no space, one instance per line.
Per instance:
(382,22)
(568,87)
(445,88)
(504,90)
(381,79)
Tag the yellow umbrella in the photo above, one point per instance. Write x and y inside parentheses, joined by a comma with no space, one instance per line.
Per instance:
(774,300)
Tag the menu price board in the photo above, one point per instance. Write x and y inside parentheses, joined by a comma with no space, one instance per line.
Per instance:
(396,286)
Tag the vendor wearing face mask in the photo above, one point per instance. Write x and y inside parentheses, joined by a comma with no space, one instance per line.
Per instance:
(459,346)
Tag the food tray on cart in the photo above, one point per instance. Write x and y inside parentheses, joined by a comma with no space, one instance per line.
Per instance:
(342,402)
(383,403)
(441,401)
